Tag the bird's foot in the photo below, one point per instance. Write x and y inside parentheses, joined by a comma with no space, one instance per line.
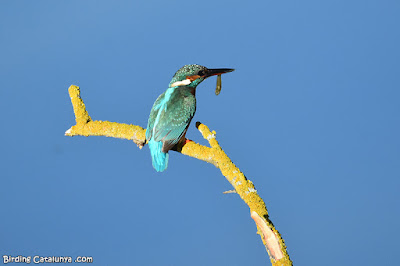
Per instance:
(188,140)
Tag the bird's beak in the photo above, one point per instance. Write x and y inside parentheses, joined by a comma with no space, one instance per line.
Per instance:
(217,71)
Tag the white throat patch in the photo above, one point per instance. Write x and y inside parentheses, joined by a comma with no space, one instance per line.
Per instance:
(181,83)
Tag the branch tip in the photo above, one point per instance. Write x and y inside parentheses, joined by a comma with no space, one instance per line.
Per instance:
(229,191)
(68,132)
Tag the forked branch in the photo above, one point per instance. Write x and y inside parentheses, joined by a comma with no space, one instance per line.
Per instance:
(214,154)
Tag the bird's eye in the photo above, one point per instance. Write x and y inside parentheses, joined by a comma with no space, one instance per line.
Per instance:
(201,73)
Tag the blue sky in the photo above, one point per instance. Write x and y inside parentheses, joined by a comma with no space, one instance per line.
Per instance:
(311,115)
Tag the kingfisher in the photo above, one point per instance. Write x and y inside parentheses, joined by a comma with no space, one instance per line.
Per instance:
(173,111)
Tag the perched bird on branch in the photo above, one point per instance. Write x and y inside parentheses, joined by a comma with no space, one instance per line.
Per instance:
(173,111)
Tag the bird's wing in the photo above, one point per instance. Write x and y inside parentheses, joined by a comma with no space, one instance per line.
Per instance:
(153,116)
(174,120)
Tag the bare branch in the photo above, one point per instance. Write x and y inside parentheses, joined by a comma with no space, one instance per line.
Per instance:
(214,154)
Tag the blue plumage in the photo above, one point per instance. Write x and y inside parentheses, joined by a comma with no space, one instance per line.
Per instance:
(159,158)
(173,111)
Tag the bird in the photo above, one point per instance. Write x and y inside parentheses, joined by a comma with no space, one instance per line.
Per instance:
(173,111)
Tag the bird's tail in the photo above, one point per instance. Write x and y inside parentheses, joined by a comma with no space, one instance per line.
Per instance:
(159,158)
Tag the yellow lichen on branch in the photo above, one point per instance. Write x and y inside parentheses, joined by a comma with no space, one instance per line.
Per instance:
(85,126)
(214,154)
(245,188)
